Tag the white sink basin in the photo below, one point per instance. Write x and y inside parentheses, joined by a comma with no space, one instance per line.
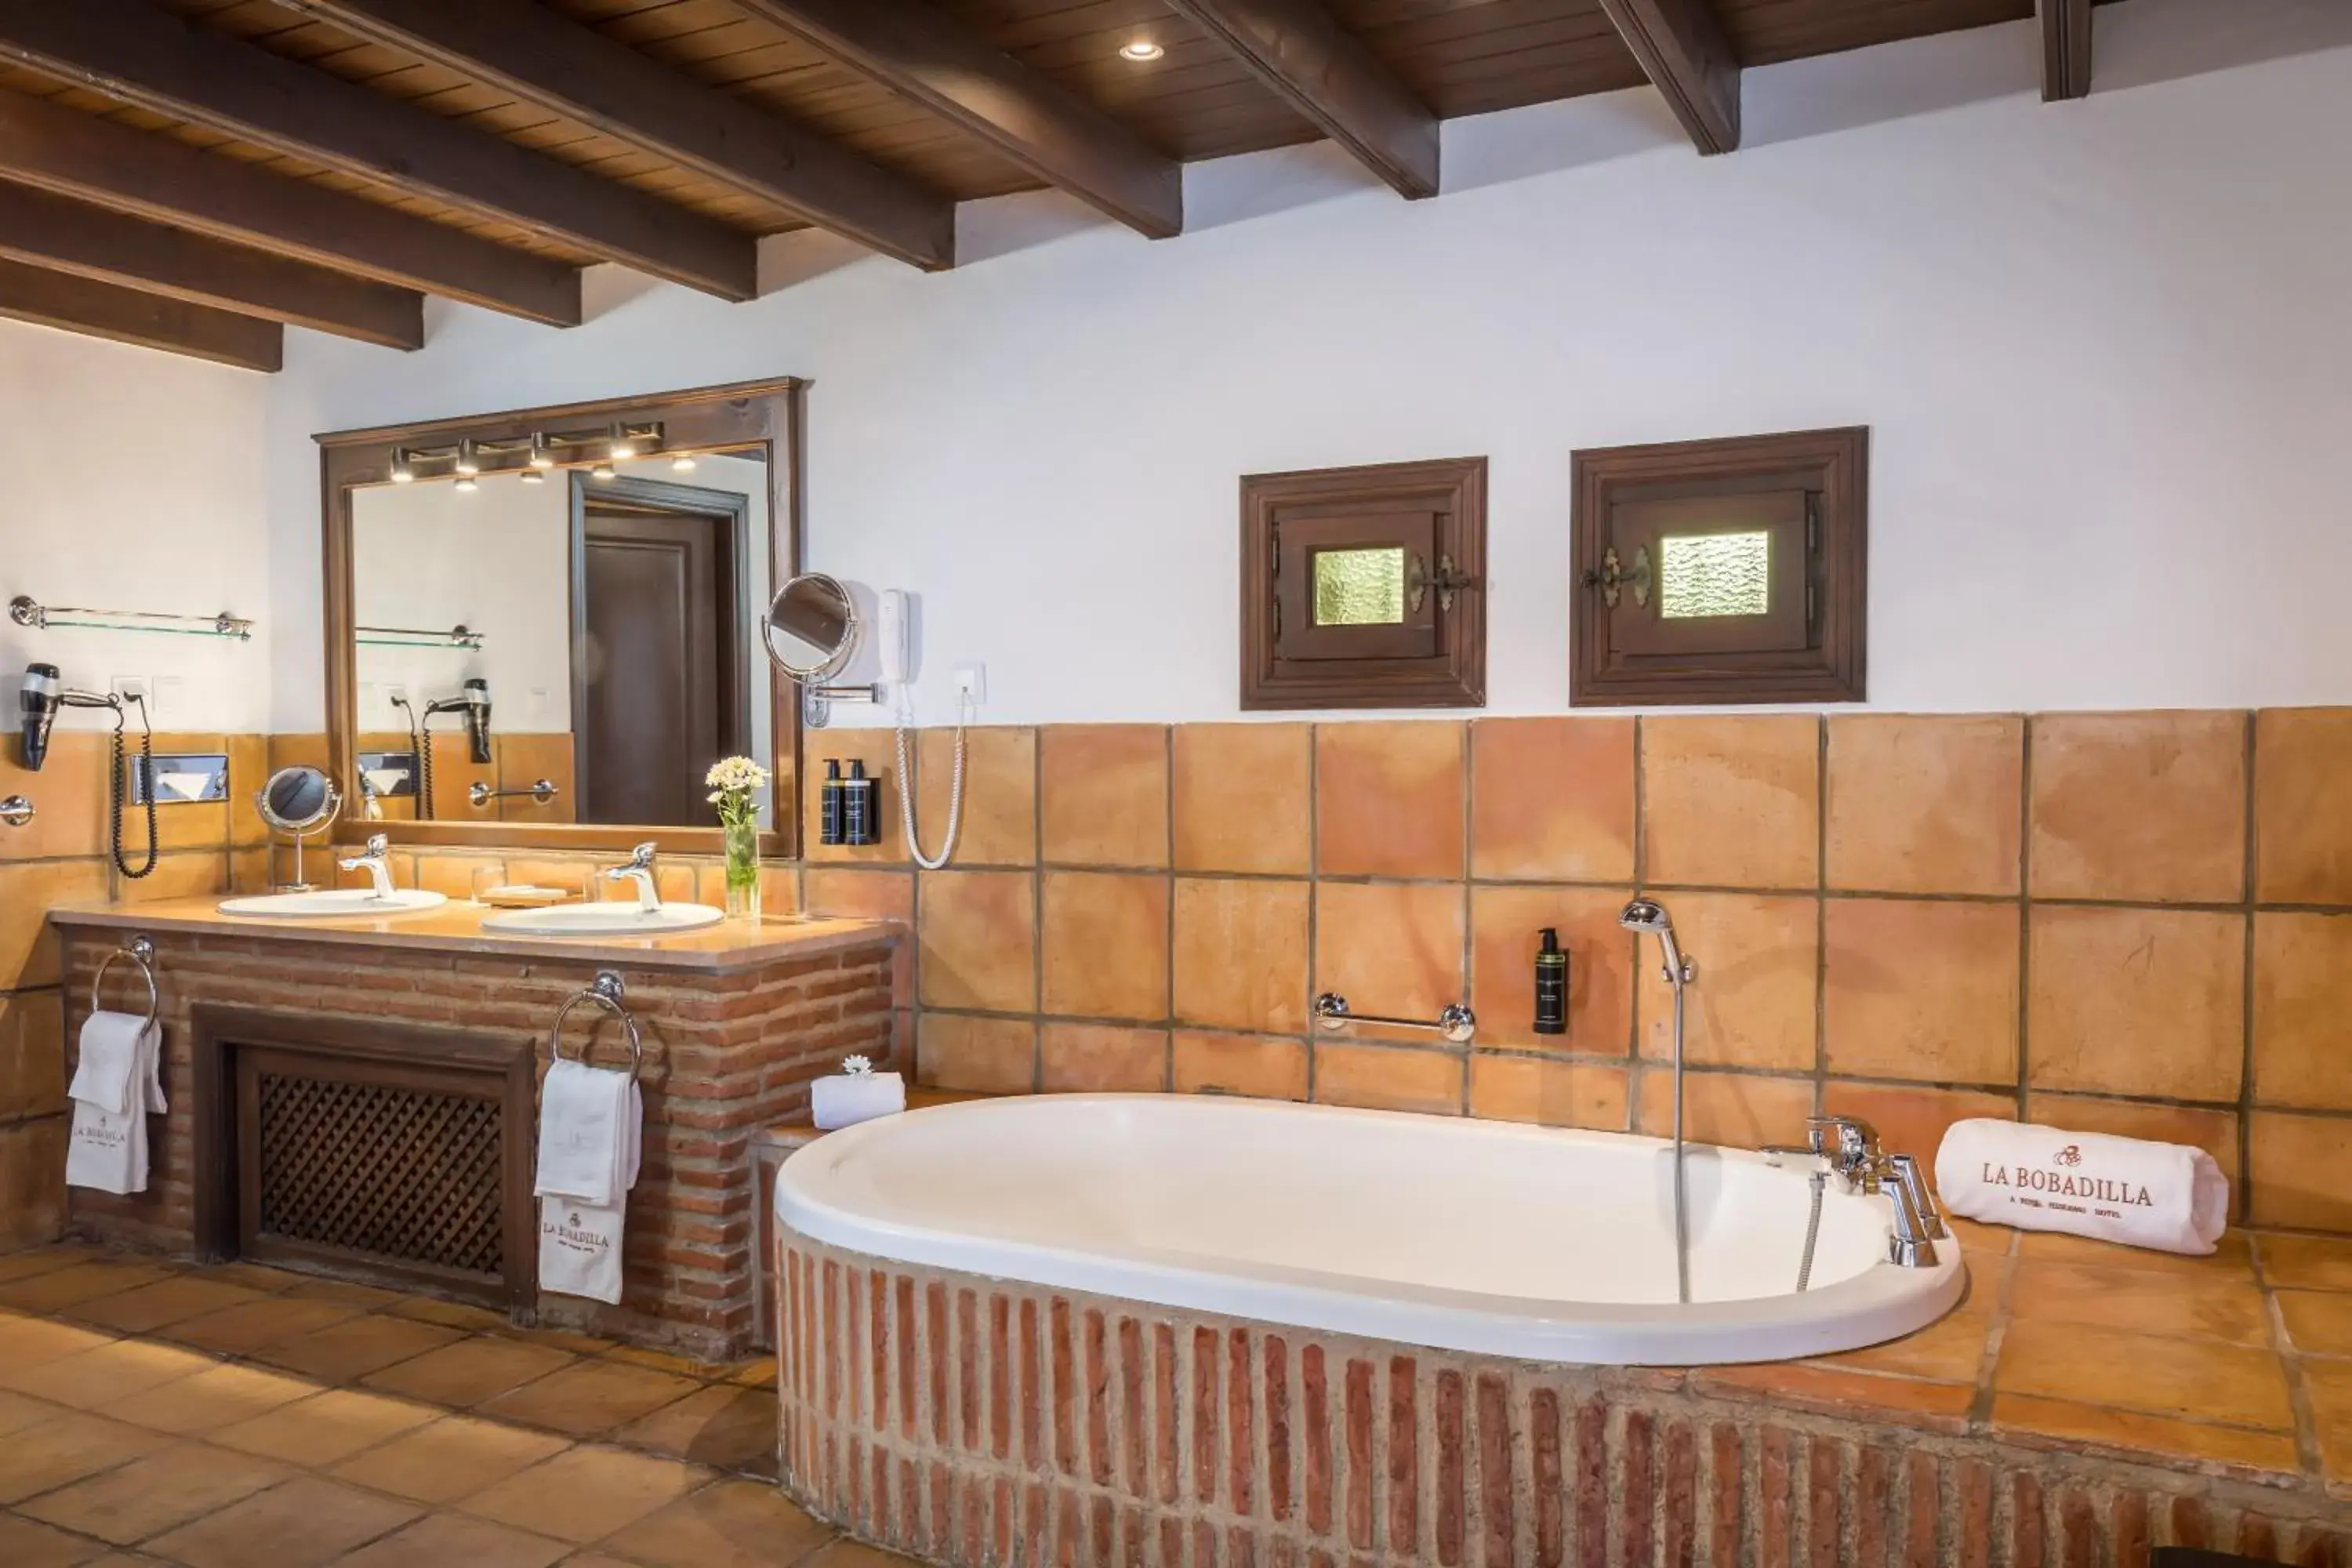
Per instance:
(615,919)
(333,903)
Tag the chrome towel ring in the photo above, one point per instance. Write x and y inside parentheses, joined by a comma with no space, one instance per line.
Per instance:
(605,991)
(139,950)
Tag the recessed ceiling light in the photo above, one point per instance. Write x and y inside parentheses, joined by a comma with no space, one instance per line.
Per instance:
(1140,49)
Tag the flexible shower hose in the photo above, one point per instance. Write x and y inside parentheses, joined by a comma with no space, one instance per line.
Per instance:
(955,794)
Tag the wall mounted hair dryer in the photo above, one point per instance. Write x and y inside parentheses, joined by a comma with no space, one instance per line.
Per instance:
(43,693)
(474,701)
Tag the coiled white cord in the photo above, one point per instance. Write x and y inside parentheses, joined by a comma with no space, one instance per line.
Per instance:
(955,790)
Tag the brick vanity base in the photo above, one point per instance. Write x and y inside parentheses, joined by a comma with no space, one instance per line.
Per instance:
(978,1422)
(725,1055)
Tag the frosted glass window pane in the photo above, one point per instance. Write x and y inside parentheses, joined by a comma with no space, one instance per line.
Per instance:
(1360,587)
(1702,574)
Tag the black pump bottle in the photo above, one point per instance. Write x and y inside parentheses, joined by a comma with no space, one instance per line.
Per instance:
(1551,985)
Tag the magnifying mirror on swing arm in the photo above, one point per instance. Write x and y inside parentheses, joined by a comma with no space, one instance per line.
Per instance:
(812,629)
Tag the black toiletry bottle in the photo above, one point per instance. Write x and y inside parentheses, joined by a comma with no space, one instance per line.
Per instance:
(1551,985)
(829,829)
(857,826)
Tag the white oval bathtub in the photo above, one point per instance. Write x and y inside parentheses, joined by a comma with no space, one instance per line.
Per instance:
(1470,1236)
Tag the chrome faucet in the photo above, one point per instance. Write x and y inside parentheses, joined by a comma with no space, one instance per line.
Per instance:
(378,864)
(639,868)
(1647,915)
(1849,1147)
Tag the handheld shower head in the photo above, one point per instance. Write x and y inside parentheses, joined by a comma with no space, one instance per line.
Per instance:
(1649,916)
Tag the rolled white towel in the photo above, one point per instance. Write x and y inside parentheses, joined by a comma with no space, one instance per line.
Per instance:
(2158,1196)
(846,1099)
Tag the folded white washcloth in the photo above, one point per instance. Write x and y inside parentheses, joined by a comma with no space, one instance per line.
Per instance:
(579,1248)
(846,1099)
(2160,1196)
(591,1122)
(110,1071)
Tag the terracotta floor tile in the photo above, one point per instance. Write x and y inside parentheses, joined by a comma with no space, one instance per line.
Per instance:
(2197,1379)
(472,1369)
(50,1289)
(27,1342)
(2318,1322)
(2187,1305)
(325,1428)
(150,1495)
(305,1523)
(1949,1350)
(2329,1385)
(2232,1259)
(65,1448)
(448,1315)
(25,1544)
(449,1459)
(166,1301)
(759,1373)
(2137,1433)
(847,1553)
(212,1398)
(369,1296)
(454,1541)
(1908,1401)
(590,1398)
(252,1277)
(723,1425)
(586,1493)
(356,1346)
(105,1374)
(18,1411)
(733,1525)
(1976,1237)
(253,1325)
(669,1362)
(43,1260)
(2306,1262)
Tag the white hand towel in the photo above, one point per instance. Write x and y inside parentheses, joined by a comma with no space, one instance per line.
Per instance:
(588,1123)
(109,1072)
(579,1249)
(847,1098)
(2158,1195)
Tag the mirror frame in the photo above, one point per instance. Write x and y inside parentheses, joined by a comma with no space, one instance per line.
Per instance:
(747,419)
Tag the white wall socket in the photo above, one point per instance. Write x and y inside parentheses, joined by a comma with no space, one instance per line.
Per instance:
(971,681)
(127,687)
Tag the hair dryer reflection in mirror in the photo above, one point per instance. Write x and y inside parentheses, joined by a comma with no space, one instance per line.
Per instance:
(474,701)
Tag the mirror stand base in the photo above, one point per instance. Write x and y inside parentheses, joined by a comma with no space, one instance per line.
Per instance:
(816,702)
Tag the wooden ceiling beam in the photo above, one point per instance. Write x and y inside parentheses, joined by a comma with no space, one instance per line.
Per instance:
(1022,115)
(1300,50)
(522,48)
(67,236)
(129,50)
(1686,53)
(165,180)
(2065,48)
(99,309)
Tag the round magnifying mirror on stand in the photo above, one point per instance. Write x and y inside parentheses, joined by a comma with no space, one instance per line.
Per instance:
(812,630)
(298,801)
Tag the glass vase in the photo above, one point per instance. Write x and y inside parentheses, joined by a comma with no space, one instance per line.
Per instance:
(744,871)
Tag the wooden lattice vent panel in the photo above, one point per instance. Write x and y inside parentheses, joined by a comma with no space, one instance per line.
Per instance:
(401,1174)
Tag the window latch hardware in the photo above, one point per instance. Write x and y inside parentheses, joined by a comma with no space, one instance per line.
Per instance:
(1448,579)
(1613,579)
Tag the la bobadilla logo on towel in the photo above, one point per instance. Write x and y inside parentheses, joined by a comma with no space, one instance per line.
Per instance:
(2099,1194)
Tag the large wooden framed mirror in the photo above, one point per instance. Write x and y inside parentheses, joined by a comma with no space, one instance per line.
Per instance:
(543,625)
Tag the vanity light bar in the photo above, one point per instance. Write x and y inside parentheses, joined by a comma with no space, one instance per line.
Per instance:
(540,450)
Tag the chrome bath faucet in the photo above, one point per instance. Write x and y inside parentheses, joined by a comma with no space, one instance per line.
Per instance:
(639,868)
(1849,1147)
(377,862)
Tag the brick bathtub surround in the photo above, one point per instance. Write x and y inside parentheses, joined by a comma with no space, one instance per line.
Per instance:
(725,1055)
(2126,922)
(976,1422)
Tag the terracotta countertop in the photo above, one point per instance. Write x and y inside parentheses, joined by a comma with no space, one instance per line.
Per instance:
(728,947)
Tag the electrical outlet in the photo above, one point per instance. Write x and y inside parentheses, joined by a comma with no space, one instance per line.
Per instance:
(165,698)
(971,681)
(393,693)
(128,686)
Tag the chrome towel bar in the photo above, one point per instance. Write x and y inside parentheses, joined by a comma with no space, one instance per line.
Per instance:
(481,793)
(605,991)
(1454,1020)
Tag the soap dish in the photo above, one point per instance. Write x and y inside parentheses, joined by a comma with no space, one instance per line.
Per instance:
(522,897)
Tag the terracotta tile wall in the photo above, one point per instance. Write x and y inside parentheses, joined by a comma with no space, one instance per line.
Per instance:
(61,857)
(2135,922)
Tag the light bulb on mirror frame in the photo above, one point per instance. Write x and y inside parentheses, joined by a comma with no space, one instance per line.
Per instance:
(682,464)
(622,445)
(468,484)
(531,477)
(402,471)
(542,455)
(467,463)
(603,471)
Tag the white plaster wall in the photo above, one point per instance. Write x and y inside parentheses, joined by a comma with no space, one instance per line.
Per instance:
(134,481)
(2103,347)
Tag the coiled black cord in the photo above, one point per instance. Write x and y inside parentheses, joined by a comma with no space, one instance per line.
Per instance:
(119,781)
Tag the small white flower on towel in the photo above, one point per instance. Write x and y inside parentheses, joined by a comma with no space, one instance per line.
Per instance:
(856,1067)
